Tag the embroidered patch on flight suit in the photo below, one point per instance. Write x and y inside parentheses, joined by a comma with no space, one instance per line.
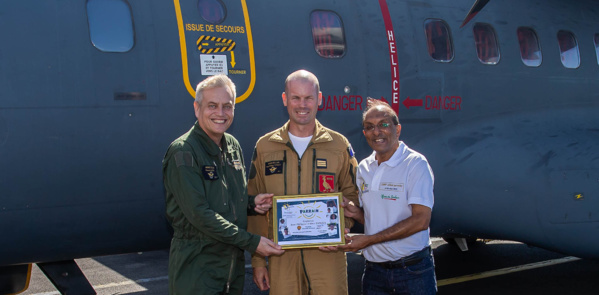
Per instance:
(237,164)
(184,159)
(234,161)
(209,172)
(326,182)
(273,167)
(321,163)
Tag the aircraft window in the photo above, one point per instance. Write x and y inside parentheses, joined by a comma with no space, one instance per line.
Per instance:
(438,40)
(327,33)
(110,25)
(530,50)
(568,48)
(486,44)
(212,11)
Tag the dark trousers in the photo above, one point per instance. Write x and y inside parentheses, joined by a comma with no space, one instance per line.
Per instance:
(405,276)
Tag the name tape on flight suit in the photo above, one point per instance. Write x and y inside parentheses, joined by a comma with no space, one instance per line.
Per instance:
(209,172)
(273,167)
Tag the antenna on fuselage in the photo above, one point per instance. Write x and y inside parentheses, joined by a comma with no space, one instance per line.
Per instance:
(476,8)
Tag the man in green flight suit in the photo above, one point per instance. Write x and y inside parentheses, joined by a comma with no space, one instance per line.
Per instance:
(207,202)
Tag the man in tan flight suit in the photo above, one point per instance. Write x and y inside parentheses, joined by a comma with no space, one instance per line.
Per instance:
(301,157)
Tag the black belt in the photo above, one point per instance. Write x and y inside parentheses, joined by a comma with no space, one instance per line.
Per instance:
(406,261)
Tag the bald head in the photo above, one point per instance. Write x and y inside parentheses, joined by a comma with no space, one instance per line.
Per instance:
(381,107)
(304,76)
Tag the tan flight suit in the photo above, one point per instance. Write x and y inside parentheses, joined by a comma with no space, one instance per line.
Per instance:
(275,169)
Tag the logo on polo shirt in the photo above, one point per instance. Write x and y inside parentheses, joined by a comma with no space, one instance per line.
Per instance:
(364,187)
(391,197)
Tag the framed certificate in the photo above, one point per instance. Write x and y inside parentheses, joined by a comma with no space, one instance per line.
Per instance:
(304,221)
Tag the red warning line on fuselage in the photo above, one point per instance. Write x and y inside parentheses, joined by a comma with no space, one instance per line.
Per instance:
(208,44)
(392,55)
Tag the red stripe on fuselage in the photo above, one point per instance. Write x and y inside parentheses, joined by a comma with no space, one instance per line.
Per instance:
(392,55)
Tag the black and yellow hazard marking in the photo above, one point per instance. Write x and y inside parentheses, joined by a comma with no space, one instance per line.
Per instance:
(208,44)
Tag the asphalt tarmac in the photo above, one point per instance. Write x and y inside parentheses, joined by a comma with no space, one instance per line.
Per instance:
(494,267)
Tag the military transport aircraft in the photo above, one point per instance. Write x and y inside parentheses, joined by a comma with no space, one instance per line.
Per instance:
(501,96)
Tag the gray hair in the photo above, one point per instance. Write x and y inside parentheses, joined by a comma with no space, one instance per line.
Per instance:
(214,82)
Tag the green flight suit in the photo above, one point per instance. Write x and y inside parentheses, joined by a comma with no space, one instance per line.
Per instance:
(207,206)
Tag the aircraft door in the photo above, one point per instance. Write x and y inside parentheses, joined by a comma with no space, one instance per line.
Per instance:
(216,38)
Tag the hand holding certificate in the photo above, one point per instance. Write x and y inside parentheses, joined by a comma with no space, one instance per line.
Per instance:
(303,221)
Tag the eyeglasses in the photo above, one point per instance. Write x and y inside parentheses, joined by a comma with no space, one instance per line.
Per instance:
(381,126)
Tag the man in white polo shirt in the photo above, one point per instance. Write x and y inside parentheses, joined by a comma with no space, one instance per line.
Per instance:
(396,199)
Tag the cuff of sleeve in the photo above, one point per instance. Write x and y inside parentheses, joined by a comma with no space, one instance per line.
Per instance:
(251,205)
(349,222)
(254,241)
(258,261)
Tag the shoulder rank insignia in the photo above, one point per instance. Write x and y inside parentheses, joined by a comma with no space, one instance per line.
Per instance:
(321,163)
(350,151)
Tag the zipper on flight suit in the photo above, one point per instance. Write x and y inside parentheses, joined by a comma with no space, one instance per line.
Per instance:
(299,167)
(229,166)
(224,170)
(224,181)
(299,175)
(299,182)
(314,182)
(285,171)
(230,273)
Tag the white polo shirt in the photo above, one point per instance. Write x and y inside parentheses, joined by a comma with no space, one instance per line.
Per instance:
(386,191)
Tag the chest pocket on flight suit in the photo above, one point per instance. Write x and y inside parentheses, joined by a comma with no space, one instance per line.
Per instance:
(214,187)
